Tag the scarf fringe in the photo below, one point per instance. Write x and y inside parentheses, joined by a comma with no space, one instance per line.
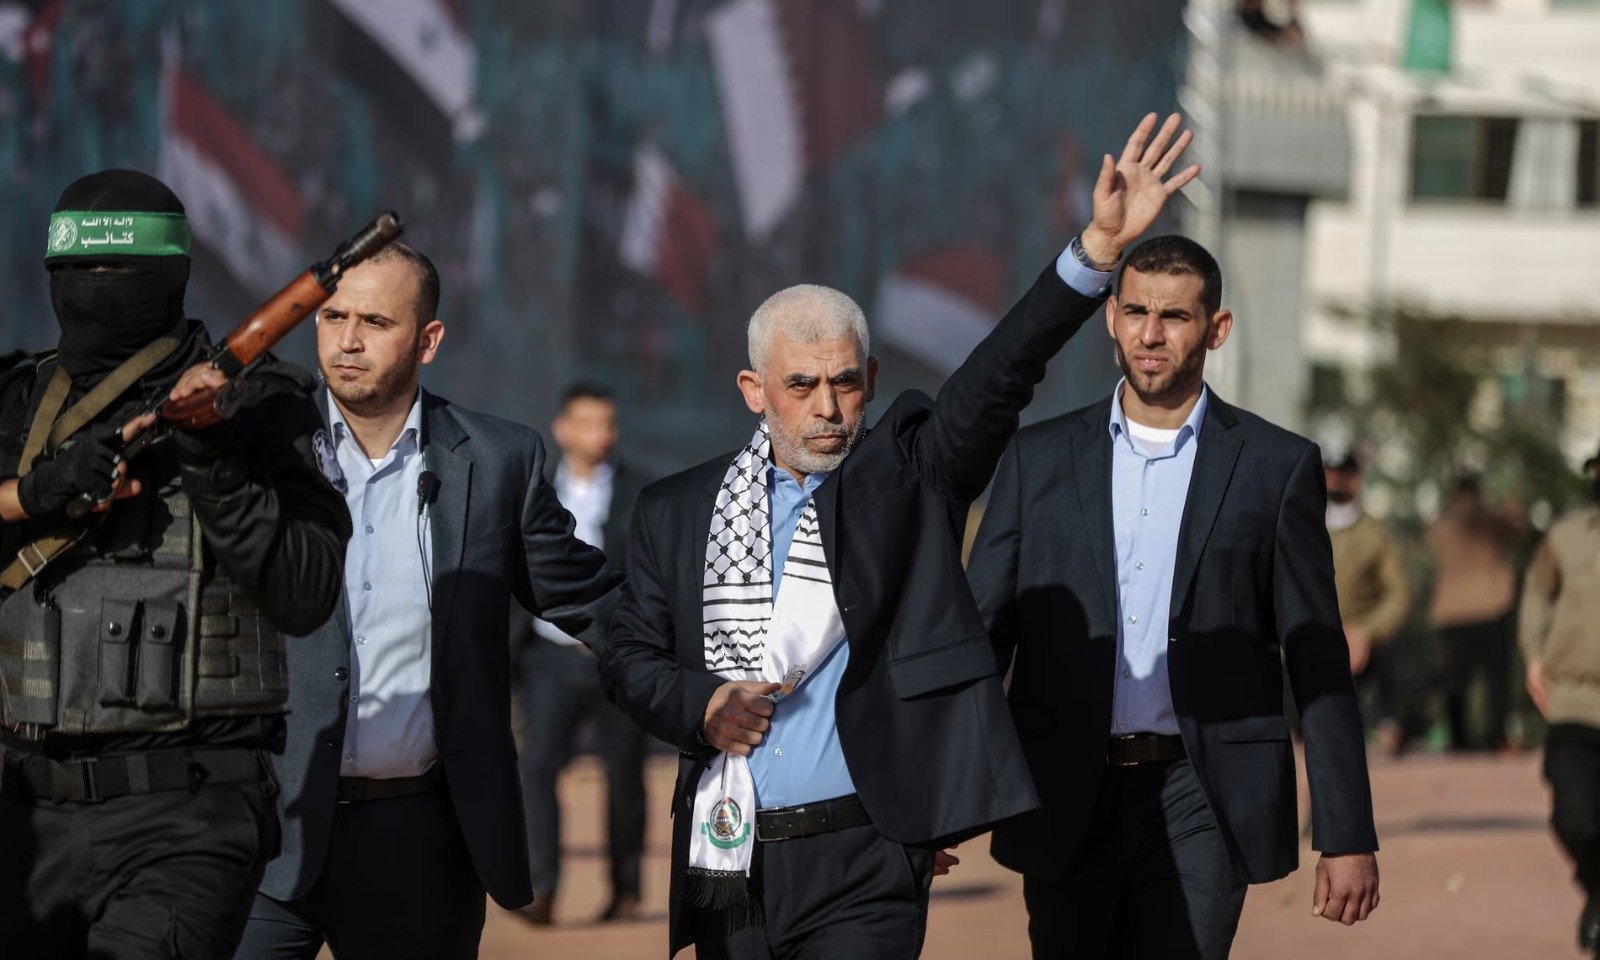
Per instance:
(724,891)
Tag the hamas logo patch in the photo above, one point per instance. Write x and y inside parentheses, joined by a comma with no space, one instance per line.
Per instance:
(63,233)
(725,827)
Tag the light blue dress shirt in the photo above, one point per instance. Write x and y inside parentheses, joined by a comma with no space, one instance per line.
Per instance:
(801,761)
(389,724)
(1148,490)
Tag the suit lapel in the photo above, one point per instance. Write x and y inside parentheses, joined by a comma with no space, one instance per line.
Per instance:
(442,435)
(1214,460)
(1091,456)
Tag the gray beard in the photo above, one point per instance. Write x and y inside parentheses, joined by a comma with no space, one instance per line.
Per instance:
(793,451)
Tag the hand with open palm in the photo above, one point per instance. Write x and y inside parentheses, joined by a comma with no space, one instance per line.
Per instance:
(1131,191)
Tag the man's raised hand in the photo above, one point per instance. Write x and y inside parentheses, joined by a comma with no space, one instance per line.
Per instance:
(1131,191)
(736,716)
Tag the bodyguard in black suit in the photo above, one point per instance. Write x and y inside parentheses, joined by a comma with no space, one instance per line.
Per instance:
(1145,568)
(892,705)
(560,678)
(399,794)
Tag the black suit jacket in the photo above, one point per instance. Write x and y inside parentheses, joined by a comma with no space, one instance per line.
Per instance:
(498,531)
(1252,590)
(921,714)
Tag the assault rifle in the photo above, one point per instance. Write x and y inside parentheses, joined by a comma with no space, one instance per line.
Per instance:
(246,347)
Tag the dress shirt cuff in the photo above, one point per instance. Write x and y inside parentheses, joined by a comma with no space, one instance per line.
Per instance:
(1083,280)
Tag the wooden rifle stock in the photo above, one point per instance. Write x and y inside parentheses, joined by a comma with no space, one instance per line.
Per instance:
(273,320)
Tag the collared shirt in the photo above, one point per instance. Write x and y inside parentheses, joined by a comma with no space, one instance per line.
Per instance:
(800,760)
(389,724)
(1149,486)
(588,499)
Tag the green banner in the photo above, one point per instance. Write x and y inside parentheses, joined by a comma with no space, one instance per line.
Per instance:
(100,233)
(1428,37)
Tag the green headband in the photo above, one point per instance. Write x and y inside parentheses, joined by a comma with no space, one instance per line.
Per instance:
(131,233)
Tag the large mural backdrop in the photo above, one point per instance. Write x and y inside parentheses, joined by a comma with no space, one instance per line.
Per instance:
(609,187)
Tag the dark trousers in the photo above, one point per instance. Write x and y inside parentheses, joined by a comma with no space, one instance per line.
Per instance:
(167,874)
(851,893)
(397,882)
(561,687)
(1153,880)
(1471,650)
(1572,767)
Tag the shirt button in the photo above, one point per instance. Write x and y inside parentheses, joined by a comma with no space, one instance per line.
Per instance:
(355,698)
(777,751)
(361,640)
(366,585)
(369,528)
(1144,512)
(341,673)
(1133,618)
(349,758)
(1138,565)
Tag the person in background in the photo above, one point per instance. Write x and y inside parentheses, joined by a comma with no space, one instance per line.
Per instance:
(561,679)
(1374,595)
(1473,592)
(1559,631)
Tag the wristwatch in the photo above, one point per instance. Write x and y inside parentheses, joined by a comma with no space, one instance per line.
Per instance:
(1082,256)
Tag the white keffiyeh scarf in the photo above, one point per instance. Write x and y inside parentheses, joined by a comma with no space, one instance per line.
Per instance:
(751,636)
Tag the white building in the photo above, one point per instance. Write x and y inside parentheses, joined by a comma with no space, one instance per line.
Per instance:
(1472,194)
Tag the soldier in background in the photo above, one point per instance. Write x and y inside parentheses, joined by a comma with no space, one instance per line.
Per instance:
(1474,590)
(1559,631)
(1374,595)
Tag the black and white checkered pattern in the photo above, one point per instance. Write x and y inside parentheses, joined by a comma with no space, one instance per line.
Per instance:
(736,592)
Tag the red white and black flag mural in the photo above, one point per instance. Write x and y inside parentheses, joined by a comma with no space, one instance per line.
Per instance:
(938,305)
(798,85)
(242,205)
(668,233)
(418,62)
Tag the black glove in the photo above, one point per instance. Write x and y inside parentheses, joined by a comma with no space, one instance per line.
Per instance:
(85,464)
(206,445)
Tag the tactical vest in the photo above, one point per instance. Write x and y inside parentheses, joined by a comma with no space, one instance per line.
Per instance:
(136,630)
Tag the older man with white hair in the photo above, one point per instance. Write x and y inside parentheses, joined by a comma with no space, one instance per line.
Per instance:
(797,620)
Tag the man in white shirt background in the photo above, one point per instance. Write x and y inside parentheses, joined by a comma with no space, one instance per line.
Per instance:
(560,681)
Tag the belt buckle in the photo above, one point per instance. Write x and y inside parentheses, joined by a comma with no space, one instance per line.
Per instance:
(63,782)
(1126,738)
(33,568)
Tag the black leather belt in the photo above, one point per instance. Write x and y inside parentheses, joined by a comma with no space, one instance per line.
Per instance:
(1137,748)
(361,789)
(34,776)
(810,819)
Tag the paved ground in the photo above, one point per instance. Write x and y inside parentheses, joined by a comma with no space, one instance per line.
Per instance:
(1469,871)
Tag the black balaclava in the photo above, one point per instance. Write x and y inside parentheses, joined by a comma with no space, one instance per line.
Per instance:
(130,222)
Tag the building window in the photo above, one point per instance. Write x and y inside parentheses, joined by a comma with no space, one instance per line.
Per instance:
(1462,158)
(1589,163)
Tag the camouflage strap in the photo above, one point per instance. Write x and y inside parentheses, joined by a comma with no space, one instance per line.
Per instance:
(47,432)
(55,397)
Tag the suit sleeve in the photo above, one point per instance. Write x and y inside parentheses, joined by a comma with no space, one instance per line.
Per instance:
(638,670)
(271,519)
(562,580)
(975,414)
(992,571)
(1318,662)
